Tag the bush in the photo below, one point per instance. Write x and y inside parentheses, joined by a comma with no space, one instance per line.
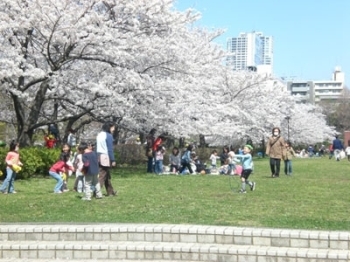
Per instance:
(3,152)
(36,161)
(130,154)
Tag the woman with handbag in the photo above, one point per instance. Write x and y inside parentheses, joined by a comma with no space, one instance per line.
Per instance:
(274,149)
(104,149)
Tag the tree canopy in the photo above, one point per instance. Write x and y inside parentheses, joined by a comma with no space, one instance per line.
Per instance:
(141,63)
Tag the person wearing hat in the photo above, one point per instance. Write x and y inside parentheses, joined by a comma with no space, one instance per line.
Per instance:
(247,163)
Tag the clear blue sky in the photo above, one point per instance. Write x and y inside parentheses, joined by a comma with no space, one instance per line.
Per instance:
(311,37)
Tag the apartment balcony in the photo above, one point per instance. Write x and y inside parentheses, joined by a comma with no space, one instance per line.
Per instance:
(300,89)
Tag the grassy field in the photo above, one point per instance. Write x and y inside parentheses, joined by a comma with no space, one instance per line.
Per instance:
(315,197)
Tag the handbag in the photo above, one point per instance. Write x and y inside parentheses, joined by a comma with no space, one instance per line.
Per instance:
(104,160)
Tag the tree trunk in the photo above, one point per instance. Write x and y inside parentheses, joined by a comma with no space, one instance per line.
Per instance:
(202,141)
(181,142)
(26,125)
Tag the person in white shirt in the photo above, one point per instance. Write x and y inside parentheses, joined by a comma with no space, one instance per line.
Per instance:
(347,151)
(213,158)
(104,149)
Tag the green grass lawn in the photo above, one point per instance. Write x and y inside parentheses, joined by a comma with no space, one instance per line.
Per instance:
(315,197)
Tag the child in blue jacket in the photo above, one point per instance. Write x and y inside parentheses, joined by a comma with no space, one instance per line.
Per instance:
(247,164)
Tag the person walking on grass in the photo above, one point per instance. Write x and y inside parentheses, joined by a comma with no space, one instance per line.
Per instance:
(287,157)
(13,166)
(90,170)
(274,148)
(247,163)
(61,166)
(186,160)
(337,147)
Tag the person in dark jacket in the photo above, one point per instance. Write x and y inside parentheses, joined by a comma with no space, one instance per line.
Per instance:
(90,170)
(224,155)
(150,138)
(337,147)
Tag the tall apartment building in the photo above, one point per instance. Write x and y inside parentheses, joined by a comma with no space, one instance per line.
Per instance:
(251,50)
(316,91)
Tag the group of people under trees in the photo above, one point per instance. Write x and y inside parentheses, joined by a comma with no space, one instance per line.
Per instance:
(188,162)
(92,161)
(91,164)
(276,148)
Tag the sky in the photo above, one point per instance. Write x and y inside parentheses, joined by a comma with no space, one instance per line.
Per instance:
(311,37)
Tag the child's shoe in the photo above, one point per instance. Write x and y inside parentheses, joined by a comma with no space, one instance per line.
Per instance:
(242,191)
(252,188)
(86,199)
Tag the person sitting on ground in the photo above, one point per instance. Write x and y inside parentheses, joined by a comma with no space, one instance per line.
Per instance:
(198,163)
(224,155)
(223,170)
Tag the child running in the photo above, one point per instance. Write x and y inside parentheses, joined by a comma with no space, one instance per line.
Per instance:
(247,164)
(60,166)
(90,170)
(13,167)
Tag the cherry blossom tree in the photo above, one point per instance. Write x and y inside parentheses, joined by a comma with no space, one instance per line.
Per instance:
(140,63)
(89,58)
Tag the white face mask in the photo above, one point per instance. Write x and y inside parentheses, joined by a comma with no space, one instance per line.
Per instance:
(275,133)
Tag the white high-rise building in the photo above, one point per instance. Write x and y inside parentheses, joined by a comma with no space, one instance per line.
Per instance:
(251,51)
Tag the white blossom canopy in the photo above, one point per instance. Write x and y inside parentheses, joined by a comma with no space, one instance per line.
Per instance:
(142,63)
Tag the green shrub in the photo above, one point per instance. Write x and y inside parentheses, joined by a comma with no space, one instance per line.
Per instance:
(36,161)
(3,152)
(48,157)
